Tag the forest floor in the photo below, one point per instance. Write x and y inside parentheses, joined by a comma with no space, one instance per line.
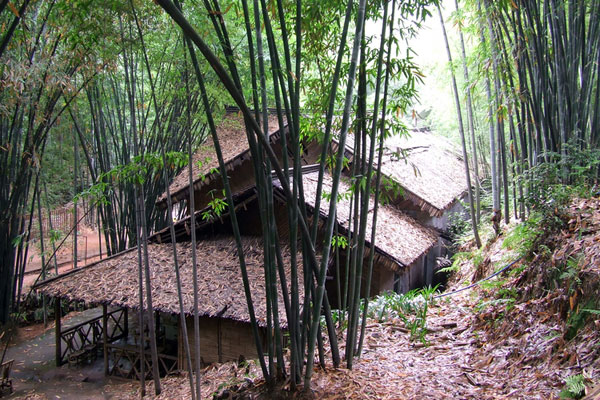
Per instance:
(519,335)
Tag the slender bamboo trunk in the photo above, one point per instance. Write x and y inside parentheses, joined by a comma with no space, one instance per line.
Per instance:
(462,134)
(496,217)
(130,87)
(229,196)
(471,121)
(182,313)
(379,162)
(75,191)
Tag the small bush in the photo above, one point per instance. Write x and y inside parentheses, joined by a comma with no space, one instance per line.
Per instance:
(410,307)
(524,236)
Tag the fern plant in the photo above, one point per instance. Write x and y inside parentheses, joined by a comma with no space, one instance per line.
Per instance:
(574,387)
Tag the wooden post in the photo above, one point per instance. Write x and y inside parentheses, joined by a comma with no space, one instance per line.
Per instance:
(126,323)
(105,337)
(57,316)
(156,324)
(219,344)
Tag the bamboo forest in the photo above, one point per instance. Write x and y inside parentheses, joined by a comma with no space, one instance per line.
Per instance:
(273,199)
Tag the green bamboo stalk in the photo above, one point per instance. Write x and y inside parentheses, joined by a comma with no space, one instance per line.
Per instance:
(470,119)
(182,313)
(334,191)
(229,195)
(379,163)
(462,134)
(192,208)
(144,240)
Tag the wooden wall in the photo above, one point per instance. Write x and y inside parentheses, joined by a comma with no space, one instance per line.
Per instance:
(221,340)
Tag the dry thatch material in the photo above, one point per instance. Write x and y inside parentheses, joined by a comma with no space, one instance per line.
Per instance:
(221,292)
(234,146)
(398,236)
(427,167)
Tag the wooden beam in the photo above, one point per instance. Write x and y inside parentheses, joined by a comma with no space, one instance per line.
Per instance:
(57,317)
(126,324)
(105,337)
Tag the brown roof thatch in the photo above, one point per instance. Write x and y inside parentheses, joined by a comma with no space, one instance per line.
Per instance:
(234,146)
(221,292)
(427,166)
(399,236)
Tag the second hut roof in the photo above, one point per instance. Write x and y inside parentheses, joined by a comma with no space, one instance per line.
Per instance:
(398,236)
(427,167)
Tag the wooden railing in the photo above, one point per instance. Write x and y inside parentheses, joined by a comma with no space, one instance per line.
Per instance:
(88,335)
(124,361)
(5,379)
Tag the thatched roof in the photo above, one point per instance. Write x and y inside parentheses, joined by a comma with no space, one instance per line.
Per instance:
(221,293)
(183,227)
(428,168)
(234,146)
(399,237)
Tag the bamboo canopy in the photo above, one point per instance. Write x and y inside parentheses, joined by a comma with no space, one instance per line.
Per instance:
(234,145)
(399,237)
(114,281)
(428,168)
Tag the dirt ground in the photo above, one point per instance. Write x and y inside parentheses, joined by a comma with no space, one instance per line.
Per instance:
(35,375)
(89,249)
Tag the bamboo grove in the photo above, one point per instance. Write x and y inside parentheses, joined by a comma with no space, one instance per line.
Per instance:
(282,81)
(115,106)
(132,89)
(535,69)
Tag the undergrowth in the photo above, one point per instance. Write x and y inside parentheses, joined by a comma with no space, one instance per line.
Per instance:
(410,307)
(574,387)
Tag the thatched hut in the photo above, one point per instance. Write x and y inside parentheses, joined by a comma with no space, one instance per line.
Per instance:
(431,175)
(401,244)
(231,132)
(238,161)
(225,332)
(430,172)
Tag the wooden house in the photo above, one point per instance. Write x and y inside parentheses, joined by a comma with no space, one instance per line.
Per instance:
(225,332)
(432,178)
(401,253)
(401,243)
(238,161)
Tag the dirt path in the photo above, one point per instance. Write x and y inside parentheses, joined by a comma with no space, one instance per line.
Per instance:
(89,249)
(35,375)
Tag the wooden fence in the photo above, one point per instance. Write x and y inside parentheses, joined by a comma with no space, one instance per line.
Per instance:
(61,219)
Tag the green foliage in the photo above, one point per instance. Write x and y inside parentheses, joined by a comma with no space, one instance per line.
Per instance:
(215,207)
(410,307)
(578,317)
(390,190)
(341,196)
(458,227)
(554,182)
(339,317)
(458,258)
(339,242)
(524,236)
(141,169)
(503,295)
(574,387)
